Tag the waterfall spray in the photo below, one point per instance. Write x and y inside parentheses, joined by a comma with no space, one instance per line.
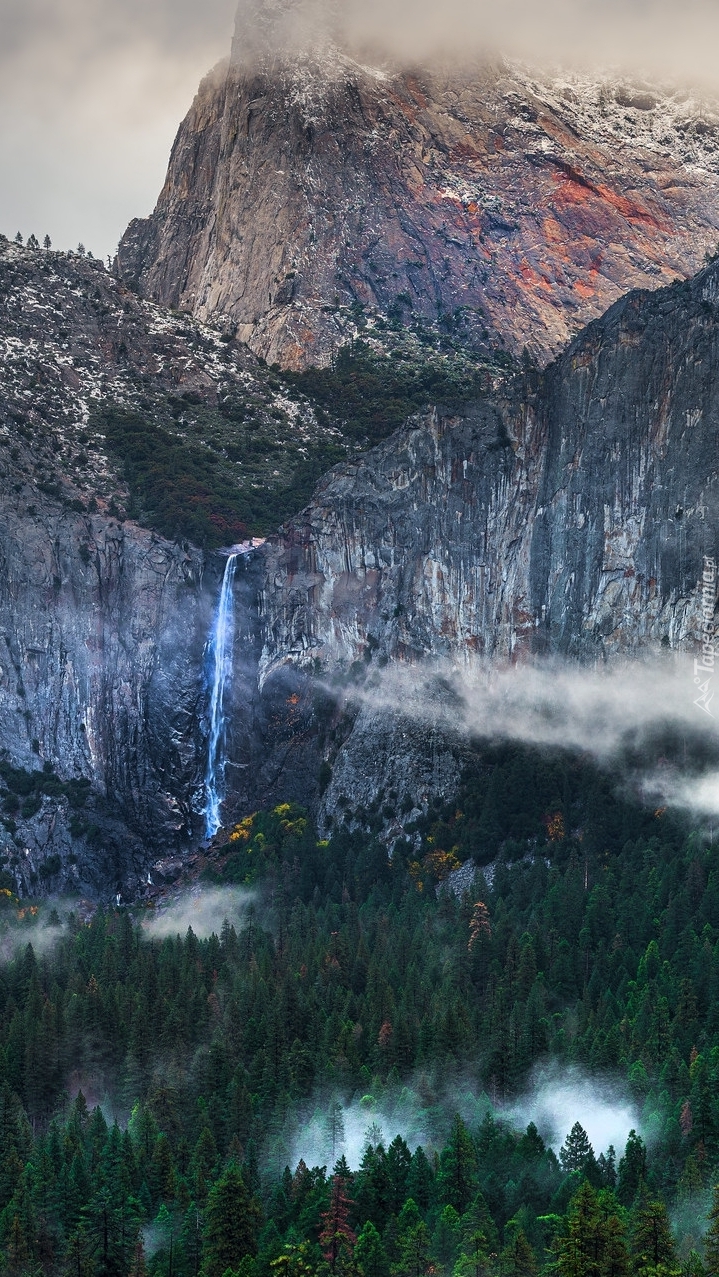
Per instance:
(219,651)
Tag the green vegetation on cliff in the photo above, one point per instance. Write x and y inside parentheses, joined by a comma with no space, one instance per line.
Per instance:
(213,473)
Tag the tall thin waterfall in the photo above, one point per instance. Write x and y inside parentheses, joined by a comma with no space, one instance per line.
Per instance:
(219,652)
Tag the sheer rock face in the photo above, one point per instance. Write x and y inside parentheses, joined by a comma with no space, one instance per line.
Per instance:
(569,516)
(572,519)
(101,635)
(102,622)
(520,206)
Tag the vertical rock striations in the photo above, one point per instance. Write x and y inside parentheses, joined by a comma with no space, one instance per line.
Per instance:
(571,518)
(567,514)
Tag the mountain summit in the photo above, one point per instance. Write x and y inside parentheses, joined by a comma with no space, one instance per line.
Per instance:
(307,190)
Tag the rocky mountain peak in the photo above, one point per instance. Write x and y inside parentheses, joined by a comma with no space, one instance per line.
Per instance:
(496,202)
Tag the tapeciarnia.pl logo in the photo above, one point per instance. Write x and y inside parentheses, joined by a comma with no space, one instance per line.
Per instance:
(704,668)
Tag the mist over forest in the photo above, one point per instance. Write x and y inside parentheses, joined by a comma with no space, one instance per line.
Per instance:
(359,762)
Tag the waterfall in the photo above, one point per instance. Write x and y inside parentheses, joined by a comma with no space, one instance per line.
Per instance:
(219,659)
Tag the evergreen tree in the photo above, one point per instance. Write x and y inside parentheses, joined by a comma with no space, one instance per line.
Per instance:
(18,1260)
(446,1238)
(334,1131)
(711,1241)
(370,1255)
(203,1165)
(615,1257)
(294,1261)
(594,1241)
(653,1249)
(337,1238)
(606,1165)
(458,1168)
(373,1190)
(474,1258)
(191,1239)
(399,1161)
(632,1169)
(576,1151)
(518,1258)
(420,1180)
(138,1267)
(78,1261)
(231,1223)
(414,1252)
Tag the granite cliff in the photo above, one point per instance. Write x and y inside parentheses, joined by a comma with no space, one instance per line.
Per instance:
(307,193)
(569,515)
(565,511)
(102,621)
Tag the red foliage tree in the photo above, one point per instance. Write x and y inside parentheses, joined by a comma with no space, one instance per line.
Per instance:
(337,1238)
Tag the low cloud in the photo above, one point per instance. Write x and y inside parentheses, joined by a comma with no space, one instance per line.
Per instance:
(698,794)
(623,710)
(24,925)
(417,1112)
(422,1115)
(202,909)
(658,38)
(559,1098)
(92,91)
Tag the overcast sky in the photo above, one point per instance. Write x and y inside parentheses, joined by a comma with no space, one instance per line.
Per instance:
(92,91)
(91,94)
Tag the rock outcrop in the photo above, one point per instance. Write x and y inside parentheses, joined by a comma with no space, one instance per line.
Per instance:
(568,512)
(508,206)
(101,636)
(102,622)
(570,518)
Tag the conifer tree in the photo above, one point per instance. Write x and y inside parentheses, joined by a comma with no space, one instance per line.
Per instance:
(711,1241)
(231,1221)
(334,1131)
(336,1237)
(78,1260)
(203,1165)
(594,1242)
(191,1239)
(576,1150)
(615,1257)
(414,1252)
(294,1261)
(577,1248)
(17,1249)
(370,1255)
(420,1180)
(518,1258)
(653,1249)
(373,1187)
(473,1261)
(632,1169)
(458,1168)
(138,1267)
(446,1237)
